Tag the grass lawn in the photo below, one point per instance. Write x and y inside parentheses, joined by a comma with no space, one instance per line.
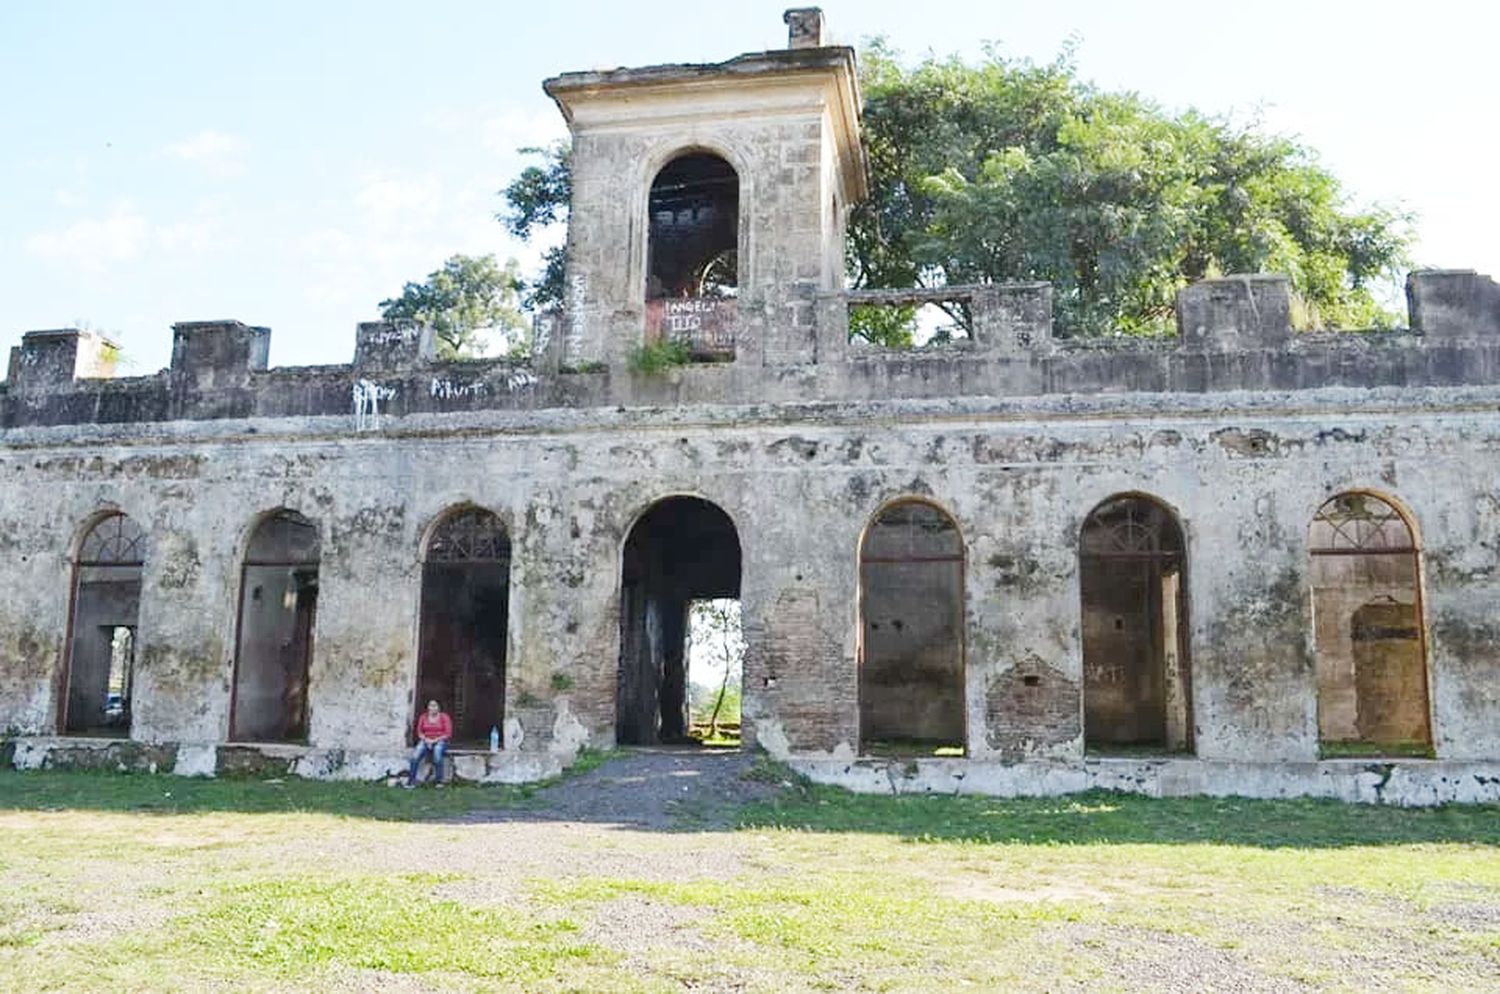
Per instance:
(139,883)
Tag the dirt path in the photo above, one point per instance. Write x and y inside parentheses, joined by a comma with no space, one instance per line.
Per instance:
(660,789)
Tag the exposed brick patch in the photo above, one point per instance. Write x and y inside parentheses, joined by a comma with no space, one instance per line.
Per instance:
(1030,706)
(806,682)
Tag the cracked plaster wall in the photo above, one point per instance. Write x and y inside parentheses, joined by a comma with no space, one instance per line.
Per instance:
(800,487)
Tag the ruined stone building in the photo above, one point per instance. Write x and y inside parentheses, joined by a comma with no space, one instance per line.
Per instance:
(1242,560)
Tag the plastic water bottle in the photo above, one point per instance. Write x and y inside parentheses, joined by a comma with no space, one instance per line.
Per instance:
(494,739)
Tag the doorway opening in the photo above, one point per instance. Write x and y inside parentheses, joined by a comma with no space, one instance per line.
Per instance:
(911,654)
(100,674)
(1367,630)
(278,610)
(1136,687)
(682,550)
(465,614)
(715,671)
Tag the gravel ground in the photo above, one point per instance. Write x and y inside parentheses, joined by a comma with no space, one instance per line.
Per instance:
(661,789)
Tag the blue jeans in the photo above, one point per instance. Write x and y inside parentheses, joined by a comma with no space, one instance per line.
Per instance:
(438,751)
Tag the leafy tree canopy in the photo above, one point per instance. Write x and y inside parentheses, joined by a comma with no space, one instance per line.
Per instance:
(1006,170)
(468,299)
(539,197)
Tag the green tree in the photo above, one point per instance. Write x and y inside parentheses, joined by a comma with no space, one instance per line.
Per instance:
(466,301)
(717,642)
(1006,170)
(538,199)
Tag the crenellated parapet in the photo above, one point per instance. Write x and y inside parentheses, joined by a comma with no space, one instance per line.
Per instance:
(1235,334)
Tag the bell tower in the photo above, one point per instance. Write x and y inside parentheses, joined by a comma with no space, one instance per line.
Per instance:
(710,201)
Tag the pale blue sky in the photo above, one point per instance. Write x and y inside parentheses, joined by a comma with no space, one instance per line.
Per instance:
(291,164)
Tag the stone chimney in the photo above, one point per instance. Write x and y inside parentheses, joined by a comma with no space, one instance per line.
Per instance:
(804,27)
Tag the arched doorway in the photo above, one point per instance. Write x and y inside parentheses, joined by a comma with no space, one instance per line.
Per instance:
(273,650)
(911,653)
(1136,686)
(1367,611)
(682,551)
(100,673)
(693,229)
(465,613)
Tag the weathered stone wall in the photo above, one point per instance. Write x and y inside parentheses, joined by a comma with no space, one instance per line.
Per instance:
(1239,427)
(1244,474)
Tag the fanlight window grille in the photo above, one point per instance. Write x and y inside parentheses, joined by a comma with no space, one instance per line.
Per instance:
(1131,527)
(472,536)
(1355,523)
(115,541)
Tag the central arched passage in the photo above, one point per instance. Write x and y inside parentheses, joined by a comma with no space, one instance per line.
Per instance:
(682,550)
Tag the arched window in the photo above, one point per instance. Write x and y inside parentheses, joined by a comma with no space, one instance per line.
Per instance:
(1136,687)
(682,554)
(465,616)
(100,673)
(693,229)
(278,608)
(911,657)
(1367,610)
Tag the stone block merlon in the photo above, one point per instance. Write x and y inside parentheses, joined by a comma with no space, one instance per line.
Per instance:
(218,353)
(391,345)
(1453,303)
(1236,313)
(51,359)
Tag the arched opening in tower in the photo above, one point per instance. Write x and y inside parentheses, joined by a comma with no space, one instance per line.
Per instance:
(693,241)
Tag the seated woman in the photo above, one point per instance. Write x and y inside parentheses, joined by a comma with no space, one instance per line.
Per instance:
(434,729)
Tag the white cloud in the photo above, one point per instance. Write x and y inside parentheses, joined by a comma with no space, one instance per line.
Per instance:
(325,243)
(504,133)
(215,151)
(94,243)
(197,235)
(384,199)
(124,235)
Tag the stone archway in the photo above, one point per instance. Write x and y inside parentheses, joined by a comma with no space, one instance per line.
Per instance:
(681,550)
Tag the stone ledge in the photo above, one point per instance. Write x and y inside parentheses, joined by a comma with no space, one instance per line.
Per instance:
(1402,782)
(267,760)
